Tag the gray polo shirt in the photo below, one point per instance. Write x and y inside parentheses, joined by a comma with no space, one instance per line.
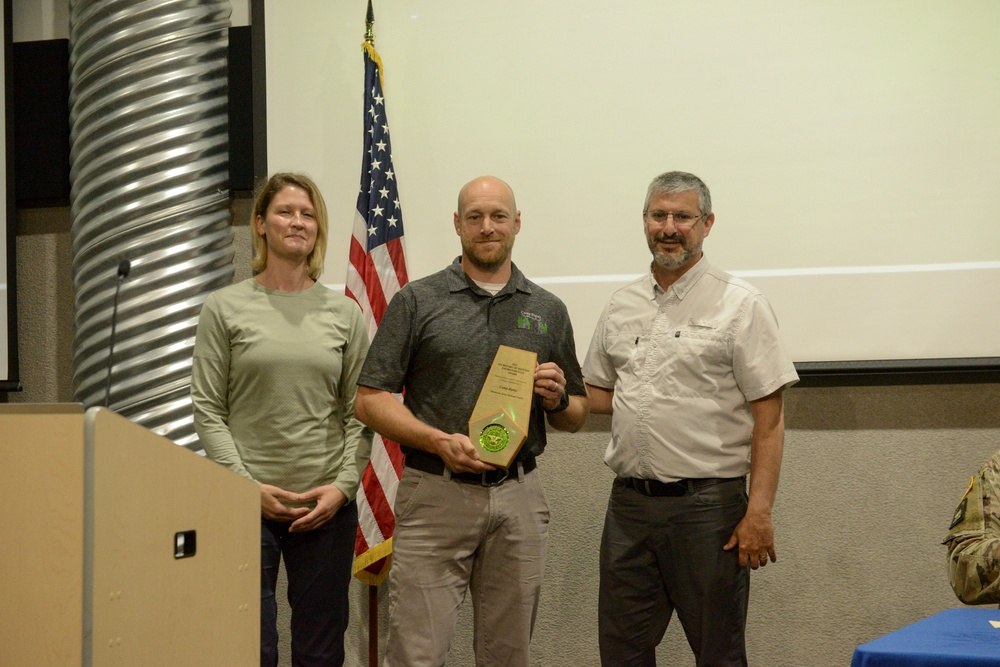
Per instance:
(439,336)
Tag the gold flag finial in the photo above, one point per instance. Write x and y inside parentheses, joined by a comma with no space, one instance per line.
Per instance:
(370,25)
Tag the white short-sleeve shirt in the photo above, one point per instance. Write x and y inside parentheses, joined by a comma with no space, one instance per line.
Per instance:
(684,364)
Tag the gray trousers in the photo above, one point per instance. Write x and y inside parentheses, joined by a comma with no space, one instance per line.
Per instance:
(660,554)
(451,537)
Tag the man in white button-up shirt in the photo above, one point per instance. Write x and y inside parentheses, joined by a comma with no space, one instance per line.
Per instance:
(688,362)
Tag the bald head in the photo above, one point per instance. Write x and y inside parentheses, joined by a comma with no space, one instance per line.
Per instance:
(484,185)
(487,221)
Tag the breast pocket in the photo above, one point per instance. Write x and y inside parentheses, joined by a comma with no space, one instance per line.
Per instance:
(625,353)
(701,356)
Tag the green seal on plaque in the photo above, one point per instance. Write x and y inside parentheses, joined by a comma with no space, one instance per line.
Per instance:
(494,438)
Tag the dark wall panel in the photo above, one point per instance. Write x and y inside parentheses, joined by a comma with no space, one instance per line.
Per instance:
(41,123)
(41,119)
(241,144)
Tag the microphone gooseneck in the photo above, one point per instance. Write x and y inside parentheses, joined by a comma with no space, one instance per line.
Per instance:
(124,267)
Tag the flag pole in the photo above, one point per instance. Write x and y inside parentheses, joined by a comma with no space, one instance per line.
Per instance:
(372,588)
(376,272)
(372,625)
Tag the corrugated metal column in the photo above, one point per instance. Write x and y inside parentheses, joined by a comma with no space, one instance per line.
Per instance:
(150,184)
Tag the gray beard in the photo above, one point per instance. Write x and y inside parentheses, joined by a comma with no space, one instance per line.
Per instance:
(672,262)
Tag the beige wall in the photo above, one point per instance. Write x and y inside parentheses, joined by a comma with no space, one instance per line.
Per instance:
(783,108)
(870,479)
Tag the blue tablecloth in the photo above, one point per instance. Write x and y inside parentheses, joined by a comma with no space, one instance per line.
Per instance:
(951,638)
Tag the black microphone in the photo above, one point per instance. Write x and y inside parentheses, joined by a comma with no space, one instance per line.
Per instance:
(124,267)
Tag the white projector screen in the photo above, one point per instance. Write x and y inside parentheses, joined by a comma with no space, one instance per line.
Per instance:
(852,148)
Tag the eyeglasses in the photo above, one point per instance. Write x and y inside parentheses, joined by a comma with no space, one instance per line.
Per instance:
(681,218)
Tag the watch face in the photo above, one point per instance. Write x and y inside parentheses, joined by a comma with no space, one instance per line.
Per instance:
(494,438)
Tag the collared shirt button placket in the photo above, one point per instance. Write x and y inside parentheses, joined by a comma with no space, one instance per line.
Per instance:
(653,351)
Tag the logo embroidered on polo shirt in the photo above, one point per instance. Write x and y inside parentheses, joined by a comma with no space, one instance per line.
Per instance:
(531,322)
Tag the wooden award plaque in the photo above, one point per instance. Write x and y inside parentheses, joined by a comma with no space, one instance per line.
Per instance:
(499,423)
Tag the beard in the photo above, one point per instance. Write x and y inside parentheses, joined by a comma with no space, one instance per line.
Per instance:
(487,260)
(669,261)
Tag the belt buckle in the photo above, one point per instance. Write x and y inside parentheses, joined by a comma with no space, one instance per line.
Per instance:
(497,482)
(675,489)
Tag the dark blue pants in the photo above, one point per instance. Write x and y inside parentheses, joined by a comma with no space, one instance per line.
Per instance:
(661,554)
(318,565)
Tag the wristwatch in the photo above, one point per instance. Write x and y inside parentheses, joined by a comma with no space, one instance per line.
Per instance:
(563,404)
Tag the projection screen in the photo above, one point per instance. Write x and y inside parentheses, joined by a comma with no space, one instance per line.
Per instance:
(852,148)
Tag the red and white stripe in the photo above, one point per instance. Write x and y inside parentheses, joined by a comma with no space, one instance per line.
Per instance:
(372,280)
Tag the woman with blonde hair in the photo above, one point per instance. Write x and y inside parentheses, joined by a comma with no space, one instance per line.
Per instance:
(276,360)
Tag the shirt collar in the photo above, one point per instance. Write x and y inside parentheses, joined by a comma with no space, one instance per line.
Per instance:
(684,284)
(458,280)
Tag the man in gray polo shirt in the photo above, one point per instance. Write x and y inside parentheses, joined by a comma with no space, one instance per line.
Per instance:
(460,523)
(688,361)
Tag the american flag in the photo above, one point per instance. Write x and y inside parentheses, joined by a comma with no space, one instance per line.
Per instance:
(376,272)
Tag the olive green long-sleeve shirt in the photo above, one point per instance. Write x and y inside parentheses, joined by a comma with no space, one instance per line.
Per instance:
(273,385)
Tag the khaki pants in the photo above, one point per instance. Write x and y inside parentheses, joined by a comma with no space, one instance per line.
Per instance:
(452,536)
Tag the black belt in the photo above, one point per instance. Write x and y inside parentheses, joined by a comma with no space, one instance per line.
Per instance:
(435,466)
(654,487)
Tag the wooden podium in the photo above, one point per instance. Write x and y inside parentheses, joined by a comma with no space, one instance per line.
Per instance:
(118,547)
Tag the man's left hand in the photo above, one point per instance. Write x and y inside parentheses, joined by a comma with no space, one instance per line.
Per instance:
(328,499)
(550,384)
(755,537)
